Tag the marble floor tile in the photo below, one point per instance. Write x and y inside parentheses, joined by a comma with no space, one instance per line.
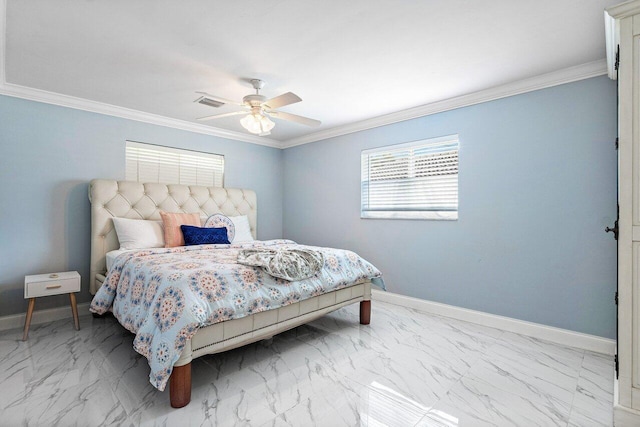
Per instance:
(390,329)
(354,404)
(593,399)
(475,403)
(589,407)
(407,368)
(524,374)
(89,403)
(292,375)
(544,352)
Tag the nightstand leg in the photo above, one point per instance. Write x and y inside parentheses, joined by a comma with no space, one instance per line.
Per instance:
(74,310)
(27,321)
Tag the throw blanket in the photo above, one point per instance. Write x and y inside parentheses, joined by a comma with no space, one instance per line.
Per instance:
(288,264)
(165,295)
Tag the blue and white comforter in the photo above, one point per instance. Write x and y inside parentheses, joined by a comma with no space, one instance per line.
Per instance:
(165,295)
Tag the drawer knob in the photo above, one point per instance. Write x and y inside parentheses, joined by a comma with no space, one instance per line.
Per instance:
(53,286)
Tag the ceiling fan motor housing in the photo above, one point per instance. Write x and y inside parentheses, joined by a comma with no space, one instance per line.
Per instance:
(254,100)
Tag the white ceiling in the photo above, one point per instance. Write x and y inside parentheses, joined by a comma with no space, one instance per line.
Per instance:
(348,60)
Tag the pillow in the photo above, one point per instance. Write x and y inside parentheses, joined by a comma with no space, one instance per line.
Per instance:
(204,235)
(139,233)
(243,230)
(172,222)
(219,220)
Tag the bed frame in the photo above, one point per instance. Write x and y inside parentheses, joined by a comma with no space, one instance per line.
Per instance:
(126,199)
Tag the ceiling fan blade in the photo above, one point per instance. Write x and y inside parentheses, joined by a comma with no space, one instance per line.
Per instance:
(282,100)
(218,116)
(294,118)
(220,99)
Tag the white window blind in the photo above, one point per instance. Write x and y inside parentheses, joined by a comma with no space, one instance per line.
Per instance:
(155,163)
(413,180)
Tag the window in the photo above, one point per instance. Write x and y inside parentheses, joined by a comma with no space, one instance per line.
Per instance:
(154,163)
(417,180)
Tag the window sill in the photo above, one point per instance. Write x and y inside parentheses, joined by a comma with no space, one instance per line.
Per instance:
(428,215)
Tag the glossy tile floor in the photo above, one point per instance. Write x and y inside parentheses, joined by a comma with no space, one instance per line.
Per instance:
(406,369)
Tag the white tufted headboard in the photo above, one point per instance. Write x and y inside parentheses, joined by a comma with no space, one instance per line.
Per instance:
(127,199)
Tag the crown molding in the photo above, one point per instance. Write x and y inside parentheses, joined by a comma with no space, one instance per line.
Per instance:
(567,75)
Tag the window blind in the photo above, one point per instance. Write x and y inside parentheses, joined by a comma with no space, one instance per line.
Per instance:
(414,180)
(154,163)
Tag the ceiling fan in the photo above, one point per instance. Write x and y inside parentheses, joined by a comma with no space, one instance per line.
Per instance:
(258,109)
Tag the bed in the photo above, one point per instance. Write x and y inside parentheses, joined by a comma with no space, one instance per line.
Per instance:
(124,199)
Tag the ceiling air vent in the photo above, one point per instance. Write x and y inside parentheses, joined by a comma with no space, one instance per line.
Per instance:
(208,101)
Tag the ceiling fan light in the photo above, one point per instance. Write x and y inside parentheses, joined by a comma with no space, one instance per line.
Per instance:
(257,124)
(251,122)
(266,124)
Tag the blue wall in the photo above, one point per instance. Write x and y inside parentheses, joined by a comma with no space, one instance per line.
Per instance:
(537,186)
(48,154)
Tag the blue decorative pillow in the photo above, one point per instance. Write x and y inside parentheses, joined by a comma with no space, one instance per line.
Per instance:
(204,236)
(219,220)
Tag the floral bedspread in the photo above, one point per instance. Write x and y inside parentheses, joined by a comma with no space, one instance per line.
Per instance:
(164,295)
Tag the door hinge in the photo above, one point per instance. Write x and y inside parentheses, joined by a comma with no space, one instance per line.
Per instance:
(617,65)
(617,142)
(613,230)
(615,361)
(616,298)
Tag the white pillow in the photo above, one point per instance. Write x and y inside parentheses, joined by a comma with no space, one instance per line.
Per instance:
(139,233)
(243,230)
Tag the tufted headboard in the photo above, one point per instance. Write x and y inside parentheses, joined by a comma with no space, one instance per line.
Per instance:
(127,199)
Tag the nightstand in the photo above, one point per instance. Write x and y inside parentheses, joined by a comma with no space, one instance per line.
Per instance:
(42,285)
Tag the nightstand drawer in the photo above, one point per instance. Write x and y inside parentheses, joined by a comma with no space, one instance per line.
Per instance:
(52,287)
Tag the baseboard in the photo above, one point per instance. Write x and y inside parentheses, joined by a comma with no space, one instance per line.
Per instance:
(535,330)
(41,316)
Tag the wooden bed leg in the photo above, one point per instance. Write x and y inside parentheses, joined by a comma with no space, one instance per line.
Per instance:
(365,312)
(180,386)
